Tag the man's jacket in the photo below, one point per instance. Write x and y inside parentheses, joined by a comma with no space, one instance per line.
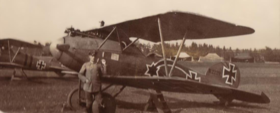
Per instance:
(90,74)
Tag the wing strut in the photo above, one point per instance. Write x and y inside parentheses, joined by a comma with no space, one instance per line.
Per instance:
(106,38)
(178,54)
(130,44)
(162,47)
(118,37)
(15,55)
(9,50)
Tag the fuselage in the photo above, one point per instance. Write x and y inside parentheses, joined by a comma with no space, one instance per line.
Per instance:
(72,51)
(117,62)
(25,61)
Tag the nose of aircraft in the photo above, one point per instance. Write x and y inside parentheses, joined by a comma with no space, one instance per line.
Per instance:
(55,49)
(63,47)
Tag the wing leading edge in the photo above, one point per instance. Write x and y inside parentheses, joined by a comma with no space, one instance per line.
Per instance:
(12,65)
(174,26)
(18,43)
(184,86)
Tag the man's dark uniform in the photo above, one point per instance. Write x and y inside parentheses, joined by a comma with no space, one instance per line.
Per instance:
(92,83)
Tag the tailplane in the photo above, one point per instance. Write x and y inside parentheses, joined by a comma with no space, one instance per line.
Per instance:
(228,74)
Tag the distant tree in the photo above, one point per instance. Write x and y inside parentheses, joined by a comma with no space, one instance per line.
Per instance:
(47,44)
(218,51)
(193,50)
(203,49)
(223,53)
(46,51)
(145,48)
(237,50)
(177,45)
(211,49)
(271,54)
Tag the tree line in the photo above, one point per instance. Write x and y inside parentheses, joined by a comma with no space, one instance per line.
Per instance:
(198,50)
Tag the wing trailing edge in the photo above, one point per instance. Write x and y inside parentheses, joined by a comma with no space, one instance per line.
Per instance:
(250,97)
(184,86)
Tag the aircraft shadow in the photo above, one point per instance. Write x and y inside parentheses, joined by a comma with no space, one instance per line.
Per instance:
(184,104)
(130,105)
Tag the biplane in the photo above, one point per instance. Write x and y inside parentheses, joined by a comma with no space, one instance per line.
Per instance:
(21,55)
(126,65)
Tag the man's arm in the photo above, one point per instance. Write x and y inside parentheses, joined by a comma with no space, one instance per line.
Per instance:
(81,74)
(100,70)
(103,67)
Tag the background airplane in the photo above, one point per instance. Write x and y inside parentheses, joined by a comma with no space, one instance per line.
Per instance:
(22,55)
(127,66)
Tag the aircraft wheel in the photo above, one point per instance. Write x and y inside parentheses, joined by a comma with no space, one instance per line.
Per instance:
(224,100)
(109,104)
(73,100)
(225,103)
(59,74)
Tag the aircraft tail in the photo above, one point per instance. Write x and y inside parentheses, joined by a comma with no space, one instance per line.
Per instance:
(225,74)
(228,74)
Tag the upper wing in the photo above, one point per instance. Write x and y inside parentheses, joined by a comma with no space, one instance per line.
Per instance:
(184,86)
(18,43)
(174,26)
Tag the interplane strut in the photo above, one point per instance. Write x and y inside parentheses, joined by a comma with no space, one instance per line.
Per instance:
(162,47)
(106,39)
(15,55)
(178,54)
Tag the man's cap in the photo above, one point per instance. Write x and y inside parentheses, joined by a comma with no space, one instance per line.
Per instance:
(92,53)
(102,23)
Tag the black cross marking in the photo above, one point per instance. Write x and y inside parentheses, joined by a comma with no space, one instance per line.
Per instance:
(40,65)
(193,76)
(230,74)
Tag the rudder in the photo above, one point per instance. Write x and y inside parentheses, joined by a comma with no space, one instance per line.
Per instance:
(224,73)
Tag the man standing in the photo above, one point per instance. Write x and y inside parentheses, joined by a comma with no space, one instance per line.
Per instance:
(90,74)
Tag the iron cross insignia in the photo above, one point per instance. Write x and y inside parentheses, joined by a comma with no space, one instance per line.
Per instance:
(192,76)
(229,73)
(41,64)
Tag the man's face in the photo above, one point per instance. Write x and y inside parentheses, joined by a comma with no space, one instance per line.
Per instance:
(91,58)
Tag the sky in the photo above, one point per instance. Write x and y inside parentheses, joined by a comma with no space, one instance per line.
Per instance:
(46,20)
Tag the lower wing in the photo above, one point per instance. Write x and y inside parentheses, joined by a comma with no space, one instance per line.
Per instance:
(58,68)
(184,86)
(10,65)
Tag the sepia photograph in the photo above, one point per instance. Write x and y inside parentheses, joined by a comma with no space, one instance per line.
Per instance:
(136,56)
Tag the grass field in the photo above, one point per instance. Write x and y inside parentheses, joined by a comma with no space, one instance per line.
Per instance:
(47,95)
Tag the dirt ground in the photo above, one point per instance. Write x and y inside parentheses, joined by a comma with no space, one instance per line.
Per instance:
(47,95)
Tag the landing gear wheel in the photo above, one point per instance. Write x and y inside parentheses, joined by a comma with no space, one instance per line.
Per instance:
(73,100)
(59,74)
(108,104)
(224,100)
